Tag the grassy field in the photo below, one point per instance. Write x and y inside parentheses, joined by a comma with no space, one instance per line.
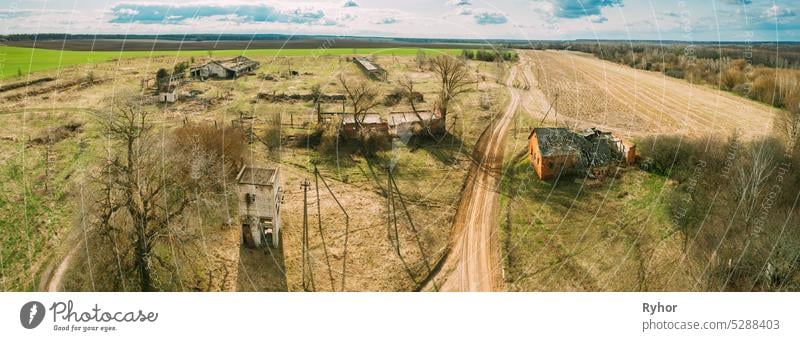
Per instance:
(586,235)
(16,61)
(429,174)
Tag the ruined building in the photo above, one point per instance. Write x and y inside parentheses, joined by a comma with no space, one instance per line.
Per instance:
(228,68)
(259,195)
(560,151)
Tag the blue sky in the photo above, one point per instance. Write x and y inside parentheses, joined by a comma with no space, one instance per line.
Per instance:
(727,20)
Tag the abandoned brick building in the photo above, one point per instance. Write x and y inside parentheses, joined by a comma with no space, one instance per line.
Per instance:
(228,68)
(259,195)
(559,151)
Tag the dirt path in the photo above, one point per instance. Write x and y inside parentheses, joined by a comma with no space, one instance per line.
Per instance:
(54,283)
(473,262)
(58,267)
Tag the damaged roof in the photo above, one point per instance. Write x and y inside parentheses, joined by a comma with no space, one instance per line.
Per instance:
(397,118)
(366,64)
(557,141)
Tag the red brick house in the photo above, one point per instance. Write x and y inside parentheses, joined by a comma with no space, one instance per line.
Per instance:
(560,151)
(553,151)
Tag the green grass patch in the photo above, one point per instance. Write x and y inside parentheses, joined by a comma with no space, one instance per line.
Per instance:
(16,61)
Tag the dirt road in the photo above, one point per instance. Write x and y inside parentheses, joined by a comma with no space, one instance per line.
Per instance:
(473,262)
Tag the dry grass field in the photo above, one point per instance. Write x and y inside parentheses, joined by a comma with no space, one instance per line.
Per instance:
(44,227)
(615,234)
(639,102)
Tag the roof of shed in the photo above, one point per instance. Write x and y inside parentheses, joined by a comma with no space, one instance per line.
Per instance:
(368,119)
(396,118)
(235,64)
(367,64)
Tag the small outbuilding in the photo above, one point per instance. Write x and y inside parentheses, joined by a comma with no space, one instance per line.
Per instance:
(167,93)
(259,195)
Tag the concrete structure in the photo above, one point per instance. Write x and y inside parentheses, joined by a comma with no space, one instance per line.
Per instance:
(372,123)
(370,69)
(167,93)
(259,195)
(559,151)
(168,97)
(403,123)
(228,68)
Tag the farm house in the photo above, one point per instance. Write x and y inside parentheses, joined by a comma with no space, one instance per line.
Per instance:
(259,194)
(228,68)
(370,69)
(556,151)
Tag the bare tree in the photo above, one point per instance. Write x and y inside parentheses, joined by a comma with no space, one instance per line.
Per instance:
(142,199)
(420,59)
(408,91)
(454,80)
(362,96)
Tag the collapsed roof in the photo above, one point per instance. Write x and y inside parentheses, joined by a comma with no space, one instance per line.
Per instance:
(593,147)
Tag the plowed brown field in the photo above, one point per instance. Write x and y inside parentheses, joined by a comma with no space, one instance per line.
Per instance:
(642,102)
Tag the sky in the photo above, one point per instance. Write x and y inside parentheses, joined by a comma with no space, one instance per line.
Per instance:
(706,20)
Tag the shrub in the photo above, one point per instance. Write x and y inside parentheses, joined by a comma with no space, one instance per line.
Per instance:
(206,152)
(394,97)
(674,73)
(372,143)
(731,78)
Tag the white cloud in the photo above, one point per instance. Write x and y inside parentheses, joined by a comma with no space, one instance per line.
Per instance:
(490,18)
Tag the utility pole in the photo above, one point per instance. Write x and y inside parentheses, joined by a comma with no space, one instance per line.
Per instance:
(556,109)
(319,113)
(305,261)
(388,203)
(319,226)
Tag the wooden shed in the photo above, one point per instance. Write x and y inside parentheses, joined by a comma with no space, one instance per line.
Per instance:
(259,197)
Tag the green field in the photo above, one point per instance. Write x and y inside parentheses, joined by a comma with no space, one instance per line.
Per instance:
(15,61)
